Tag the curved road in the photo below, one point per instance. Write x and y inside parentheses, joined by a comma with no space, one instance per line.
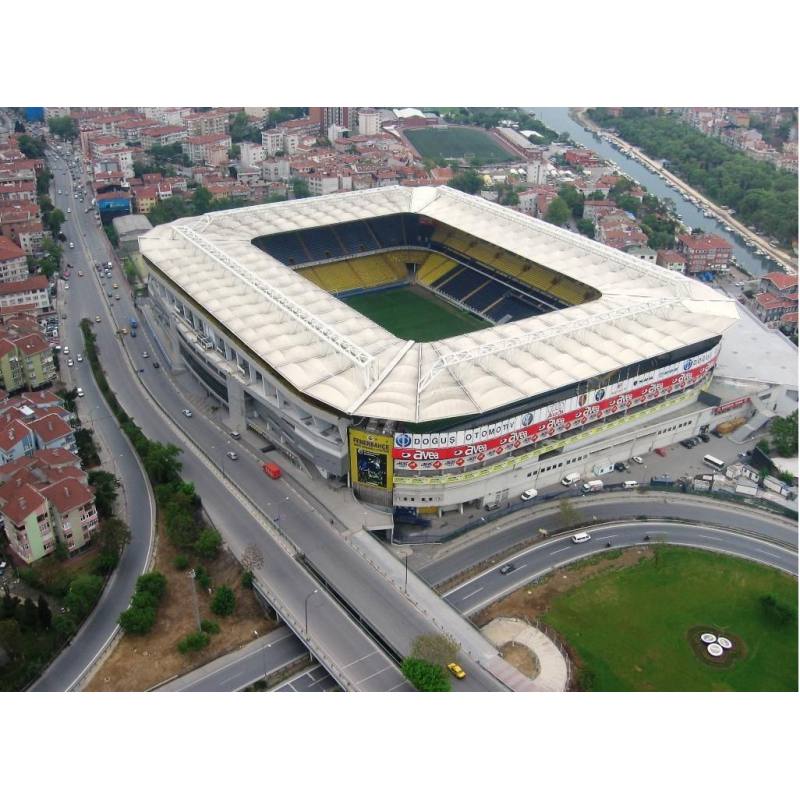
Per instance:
(545,556)
(522,527)
(67,670)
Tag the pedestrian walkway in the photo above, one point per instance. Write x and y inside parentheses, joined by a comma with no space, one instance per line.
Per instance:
(553,668)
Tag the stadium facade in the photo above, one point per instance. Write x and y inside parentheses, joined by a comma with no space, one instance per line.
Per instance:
(582,355)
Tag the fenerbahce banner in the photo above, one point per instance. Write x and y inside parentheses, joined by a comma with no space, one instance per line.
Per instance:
(559,417)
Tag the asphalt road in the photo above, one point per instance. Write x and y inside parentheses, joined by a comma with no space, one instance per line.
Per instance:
(71,665)
(314,679)
(551,553)
(242,668)
(505,534)
(330,629)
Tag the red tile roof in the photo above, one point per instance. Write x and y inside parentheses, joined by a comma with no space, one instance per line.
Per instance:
(18,500)
(780,280)
(34,282)
(50,427)
(67,494)
(9,249)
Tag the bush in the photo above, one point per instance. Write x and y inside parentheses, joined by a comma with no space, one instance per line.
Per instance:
(435,648)
(208,544)
(193,642)
(224,601)
(154,583)
(105,563)
(425,677)
(181,562)
(247,580)
(209,626)
(138,620)
(202,577)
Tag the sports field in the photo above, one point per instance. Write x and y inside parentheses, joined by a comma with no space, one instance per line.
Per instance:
(630,627)
(415,314)
(456,142)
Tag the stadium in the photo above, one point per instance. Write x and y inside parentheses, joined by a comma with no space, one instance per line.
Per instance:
(432,349)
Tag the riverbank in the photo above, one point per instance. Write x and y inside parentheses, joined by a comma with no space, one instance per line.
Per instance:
(787,262)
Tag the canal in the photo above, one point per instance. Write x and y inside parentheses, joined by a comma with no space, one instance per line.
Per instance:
(558,119)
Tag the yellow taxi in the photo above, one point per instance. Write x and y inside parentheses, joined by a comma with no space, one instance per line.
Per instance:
(456,670)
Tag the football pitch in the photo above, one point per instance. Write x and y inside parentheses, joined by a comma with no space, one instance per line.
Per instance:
(457,142)
(415,314)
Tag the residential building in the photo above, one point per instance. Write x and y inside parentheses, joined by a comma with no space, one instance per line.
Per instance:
(25,362)
(594,210)
(779,283)
(272,140)
(704,252)
(642,252)
(33,290)
(771,308)
(671,259)
(13,264)
(207,123)
(211,150)
(251,154)
(369,122)
(44,499)
(536,172)
(162,136)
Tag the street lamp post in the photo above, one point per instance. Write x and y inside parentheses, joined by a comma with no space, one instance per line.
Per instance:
(308,597)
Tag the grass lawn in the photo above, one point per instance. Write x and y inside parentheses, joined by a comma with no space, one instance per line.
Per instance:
(415,314)
(629,627)
(457,142)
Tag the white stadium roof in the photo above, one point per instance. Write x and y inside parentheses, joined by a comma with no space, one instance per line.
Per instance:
(334,354)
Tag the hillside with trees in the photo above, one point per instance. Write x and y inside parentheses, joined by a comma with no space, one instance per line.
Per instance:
(762,196)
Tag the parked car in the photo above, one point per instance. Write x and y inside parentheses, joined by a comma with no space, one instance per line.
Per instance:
(528,494)
(236,435)
(619,466)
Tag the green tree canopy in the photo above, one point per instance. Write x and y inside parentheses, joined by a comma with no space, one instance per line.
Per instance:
(208,544)
(162,462)
(223,603)
(105,491)
(425,677)
(784,435)
(468,181)
(63,126)
(557,212)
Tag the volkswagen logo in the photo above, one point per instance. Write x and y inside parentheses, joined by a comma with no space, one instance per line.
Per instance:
(527,419)
(599,394)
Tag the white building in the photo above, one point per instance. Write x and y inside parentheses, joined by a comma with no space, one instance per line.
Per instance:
(369,122)
(252,154)
(536,172)
(272,141)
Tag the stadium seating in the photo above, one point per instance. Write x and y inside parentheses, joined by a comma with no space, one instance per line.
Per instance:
(433,268)
(321,244)
(358,273)
(460,282)
(487,295)
(355,237)
(286,247)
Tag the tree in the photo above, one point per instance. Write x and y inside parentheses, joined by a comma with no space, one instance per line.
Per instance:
(105,491)
(30,615)
(45,616)
(224,601)
(208,544)
(153,583)
(138,620)
(180,562)
(111,232)
(63,126)
(468,181)
(112,535)
(573,198)
(82,595)
(202,200)
(55,219)
(557,212)
(30,147)
(784,435)
(9,604)
(300,188)
(570,516)
(162,463)
(11,637)
(425,677)
(193,642)
(435,648)
(586,227)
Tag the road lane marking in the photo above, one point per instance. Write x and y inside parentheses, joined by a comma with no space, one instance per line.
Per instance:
(560,550)
(466,597)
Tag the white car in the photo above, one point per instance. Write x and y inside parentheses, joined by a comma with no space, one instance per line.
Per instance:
(232,456)
(145,354)
(79,358)
(187,412)
(70,363)
(638,459)
(528,494)
(72,245)
(66,350)
(80,392)
(69,210)
(66,286)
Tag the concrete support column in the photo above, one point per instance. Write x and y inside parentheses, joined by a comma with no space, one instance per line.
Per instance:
(236,404)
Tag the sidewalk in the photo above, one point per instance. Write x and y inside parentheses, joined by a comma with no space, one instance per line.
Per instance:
(553,671)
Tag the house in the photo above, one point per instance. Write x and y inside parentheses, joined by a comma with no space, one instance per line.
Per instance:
(642,253)
(779,283)
(33,290)
(772,308)
(211,149)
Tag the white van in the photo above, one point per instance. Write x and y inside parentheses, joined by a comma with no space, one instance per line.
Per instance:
(630,484)
(580,538)
(572,478)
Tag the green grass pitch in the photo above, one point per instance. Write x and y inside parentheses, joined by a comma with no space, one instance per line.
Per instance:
(457,143)
(415,314)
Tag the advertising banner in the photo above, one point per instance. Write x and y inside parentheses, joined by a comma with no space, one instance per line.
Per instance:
(370,458)
(454,449)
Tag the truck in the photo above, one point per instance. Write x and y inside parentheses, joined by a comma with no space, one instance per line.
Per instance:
(662,480)
(743,488)
(572,478)
(592,486)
